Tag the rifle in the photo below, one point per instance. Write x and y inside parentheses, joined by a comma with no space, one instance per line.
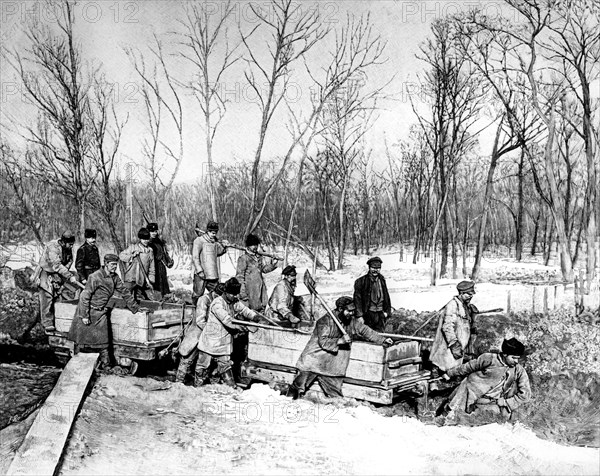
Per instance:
(199,232)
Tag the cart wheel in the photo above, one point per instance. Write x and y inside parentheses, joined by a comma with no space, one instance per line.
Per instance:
(133,368)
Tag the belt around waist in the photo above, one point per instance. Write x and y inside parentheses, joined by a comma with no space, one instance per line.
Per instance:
(96,308)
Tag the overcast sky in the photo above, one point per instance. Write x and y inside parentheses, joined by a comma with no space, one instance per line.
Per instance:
(106,27)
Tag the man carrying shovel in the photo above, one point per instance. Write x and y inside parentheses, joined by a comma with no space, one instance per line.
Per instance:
(139,266)
(327,354)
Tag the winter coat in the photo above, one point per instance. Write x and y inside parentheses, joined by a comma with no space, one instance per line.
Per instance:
(249,273)
(133,272)
(484,375)
(216,338)
(454,324)
(194,330)
(100,287)
(162,261)
(323,355)
(205,254)
(362,295)
(87,260)
(282,299)
(53,267)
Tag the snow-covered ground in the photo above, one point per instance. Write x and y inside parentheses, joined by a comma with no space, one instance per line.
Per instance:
(141,426)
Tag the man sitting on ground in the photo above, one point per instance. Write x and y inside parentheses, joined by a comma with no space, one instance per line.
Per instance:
(495,381)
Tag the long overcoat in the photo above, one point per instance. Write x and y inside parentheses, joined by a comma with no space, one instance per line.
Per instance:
(324,356)
(454,324)
(484,375)
(162,261)
(100,287)
(250,268)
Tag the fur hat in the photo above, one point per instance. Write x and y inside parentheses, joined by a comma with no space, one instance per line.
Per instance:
(512,347)
(345,302)
(220,289)
(212,226)
(232,286)
(67,237)
(144,234)
(89,233)
(252,240)
(152,226)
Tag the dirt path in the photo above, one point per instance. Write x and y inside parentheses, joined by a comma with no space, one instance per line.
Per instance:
(142,426)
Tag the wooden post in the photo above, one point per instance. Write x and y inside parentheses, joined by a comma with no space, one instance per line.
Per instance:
(576,293)
(533,296)
(508,301)
(545,299)
(555,306)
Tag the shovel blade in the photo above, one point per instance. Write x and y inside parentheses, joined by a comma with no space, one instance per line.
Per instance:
(309,282)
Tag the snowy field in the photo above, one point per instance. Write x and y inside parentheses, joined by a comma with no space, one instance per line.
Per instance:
(140,426)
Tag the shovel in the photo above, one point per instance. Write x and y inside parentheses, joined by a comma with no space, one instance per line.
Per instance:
(309,282)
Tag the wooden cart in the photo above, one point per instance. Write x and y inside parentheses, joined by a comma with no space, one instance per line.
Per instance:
(375,373)
(136,337)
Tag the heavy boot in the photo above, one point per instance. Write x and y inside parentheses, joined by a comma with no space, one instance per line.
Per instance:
(183,369)
(200,377)
(293,392)
(103,361)
(227,378)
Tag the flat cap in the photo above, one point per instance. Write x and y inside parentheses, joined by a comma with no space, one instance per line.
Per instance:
(512,347)
(111,258)
(89,233)
(375,262)
(152,226)
(289,270)
(466,287)
(345,302)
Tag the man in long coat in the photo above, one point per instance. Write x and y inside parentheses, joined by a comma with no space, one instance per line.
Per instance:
(494,381)
(250,269)
(371,297)
(188,349)
(51,273)
(327,354)
(206,250)
(87,260)
(216,342)
(162,260)
(281,302)
(139,266)
(89,329)
(454,328)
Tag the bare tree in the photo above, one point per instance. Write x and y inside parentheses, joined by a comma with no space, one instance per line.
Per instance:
(161,98)
(201,48)
(52,73)
(456,99)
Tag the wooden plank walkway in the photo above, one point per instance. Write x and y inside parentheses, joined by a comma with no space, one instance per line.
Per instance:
(43,445)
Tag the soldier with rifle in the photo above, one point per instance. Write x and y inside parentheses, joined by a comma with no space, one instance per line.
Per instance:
(162,260)
(87,260)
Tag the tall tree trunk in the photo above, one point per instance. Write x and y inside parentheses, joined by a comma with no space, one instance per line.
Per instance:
(519,222)
(487,197)
(536,229)
(342,224)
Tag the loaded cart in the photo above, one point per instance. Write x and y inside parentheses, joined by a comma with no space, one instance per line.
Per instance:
(136,337)
(375,373)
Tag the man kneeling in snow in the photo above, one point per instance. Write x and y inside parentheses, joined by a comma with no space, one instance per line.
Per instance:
(496,381)
(327,353)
